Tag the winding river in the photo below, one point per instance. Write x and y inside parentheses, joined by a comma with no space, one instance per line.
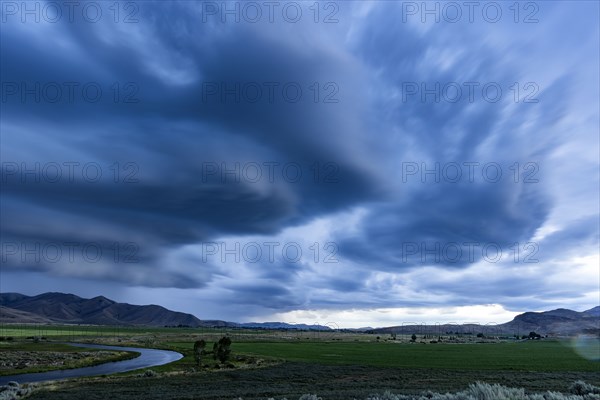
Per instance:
(148,358)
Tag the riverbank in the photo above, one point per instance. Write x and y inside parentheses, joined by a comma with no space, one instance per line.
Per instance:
(147,358)
(27,358)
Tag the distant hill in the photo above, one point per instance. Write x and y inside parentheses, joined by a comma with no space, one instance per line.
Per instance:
(71,309)
(283,325)
(559,322)
(593,312)
(11,315)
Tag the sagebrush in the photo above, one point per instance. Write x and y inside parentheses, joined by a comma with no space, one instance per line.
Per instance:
(483,391)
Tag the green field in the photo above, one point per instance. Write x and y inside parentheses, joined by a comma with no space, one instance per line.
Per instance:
(339,371)
(522,356)
(19,331)
(278,364)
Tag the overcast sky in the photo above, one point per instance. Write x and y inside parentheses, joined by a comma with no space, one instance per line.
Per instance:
(352,163)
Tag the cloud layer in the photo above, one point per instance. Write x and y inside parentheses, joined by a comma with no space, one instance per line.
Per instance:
(376,162)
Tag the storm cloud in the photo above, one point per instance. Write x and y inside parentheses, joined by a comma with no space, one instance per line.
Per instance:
(377,144)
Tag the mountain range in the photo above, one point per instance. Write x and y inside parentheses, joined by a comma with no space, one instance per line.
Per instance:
(61,308)
(559,322)
(71,309)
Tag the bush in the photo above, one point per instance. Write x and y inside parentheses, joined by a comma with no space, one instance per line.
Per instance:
(533,335)
(199,351)
(484,391)
(582,388)
(12,391)
(149,374)
(221,349)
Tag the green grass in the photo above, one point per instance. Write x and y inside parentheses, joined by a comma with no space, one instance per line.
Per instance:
(291,379)
(41,346)
(526,356)
(342,370)
(17,331)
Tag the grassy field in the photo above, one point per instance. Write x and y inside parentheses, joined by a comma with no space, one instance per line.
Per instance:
(343,368)
(521,356)
(292,379)
(73,332)
(19,331)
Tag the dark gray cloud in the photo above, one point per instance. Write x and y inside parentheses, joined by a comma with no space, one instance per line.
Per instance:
(446,224)
(171,136)
(163,187)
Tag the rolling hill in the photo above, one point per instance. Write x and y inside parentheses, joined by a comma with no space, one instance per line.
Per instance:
(71,309)
(64,308)
(556,322)
(559,322)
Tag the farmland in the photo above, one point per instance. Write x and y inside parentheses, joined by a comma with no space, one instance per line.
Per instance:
(334,365)
(525,356)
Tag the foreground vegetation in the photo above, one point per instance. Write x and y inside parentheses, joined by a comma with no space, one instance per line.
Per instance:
(478,391)
(292,380)
(483,391)
(352,370)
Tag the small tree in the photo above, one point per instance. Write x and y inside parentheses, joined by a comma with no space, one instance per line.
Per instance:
(215,350)
(533,335)
(199,346)
(413,337)
(223,349)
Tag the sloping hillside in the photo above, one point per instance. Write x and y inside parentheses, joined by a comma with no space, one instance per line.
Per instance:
(68,308)
(11,315)
(556,322)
